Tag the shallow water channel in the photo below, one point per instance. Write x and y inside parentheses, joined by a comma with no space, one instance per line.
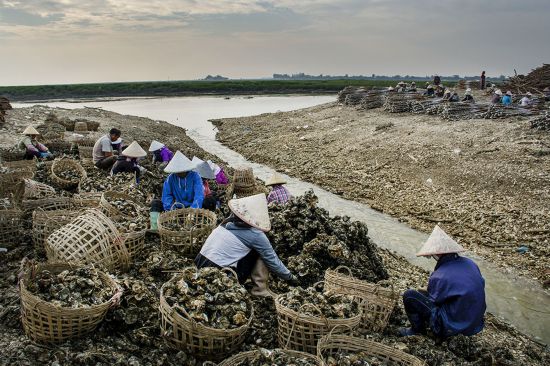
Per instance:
(524,303)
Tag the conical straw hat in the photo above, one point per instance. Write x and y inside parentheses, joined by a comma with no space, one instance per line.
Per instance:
(30,131)
(205,171)
(155,145)
(252,210)
(439,243)
(179,164)
(134,151)
(276,178)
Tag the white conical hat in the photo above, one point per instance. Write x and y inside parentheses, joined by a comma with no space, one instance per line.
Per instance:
(204,170)
(252,210)
(155,145)
(276,178)
(215,167)
(134,150)
(117,141)
(498,92)
(439,243)
(179,164)
(30,131)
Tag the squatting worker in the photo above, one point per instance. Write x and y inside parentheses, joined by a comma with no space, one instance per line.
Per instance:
(30,144)
(240,243)
(507,99)
(468,96)
(183,187)
(103,150)
(455,300)
(206,173)
(127,162)
(161,154)
(279,193)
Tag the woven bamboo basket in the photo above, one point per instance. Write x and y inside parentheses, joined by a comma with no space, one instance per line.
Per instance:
(11,154)
(300,332)
(111,210)
(184,333)
(196,225)
(46,204)
(36,190)
(11,226)
(64,165)
(45,322)
(243,178)
(134,242)
(46,222)
(91,238)
(12,187)
(87,199)
(247,356)
(331,344)
(80,127)
(21,166)
(377,301)
(59,146)
(86,148)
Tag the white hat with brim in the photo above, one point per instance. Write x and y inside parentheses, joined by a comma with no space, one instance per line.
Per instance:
(179,164)
(155,145)
(447,91)
(205,171)
(215,167)
(117,141)
(275,179)
(252,210)
(439,243)
(134,150)
(509,93)
(30,131)
(498,92)
(390,88)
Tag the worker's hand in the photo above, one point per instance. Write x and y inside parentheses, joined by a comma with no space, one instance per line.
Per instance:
(293,281)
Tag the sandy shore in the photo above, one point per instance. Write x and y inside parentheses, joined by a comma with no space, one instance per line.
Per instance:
(487,182)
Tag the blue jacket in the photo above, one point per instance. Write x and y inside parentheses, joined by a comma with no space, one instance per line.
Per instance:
(506,100)
(187,191)
(458,291)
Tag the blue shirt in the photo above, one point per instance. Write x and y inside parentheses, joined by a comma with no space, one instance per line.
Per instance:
(187,191)
(458,291)
(506,100)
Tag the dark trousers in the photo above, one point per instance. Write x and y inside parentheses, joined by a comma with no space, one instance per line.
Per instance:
(418,307)
(106,163)
(244,265)
(209,203)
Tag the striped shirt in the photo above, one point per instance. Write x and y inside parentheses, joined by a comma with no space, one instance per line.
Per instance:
(279,194)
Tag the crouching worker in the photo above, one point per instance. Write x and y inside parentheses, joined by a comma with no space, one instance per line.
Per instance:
(127,162)
(206,173)
(161,154)
(240,242)
(279,193)
(32,147)
(455,300)
(103,155)
(183,187)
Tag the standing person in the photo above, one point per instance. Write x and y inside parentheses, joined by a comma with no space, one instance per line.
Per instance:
(103,150)
(206,173)
(161,154)
(454,302)
(278,194)
(482,84)
(437,80)
(507,99)
(32,147)
(183,187)
(127,162)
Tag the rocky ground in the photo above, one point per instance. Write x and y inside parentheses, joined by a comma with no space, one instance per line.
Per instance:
(486,182)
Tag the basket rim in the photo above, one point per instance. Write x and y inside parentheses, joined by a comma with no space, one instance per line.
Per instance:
(165,216)
(246,354)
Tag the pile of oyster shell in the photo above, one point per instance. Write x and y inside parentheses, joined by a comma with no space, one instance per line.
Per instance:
(72,288)
(344,358)
(211,297)
(276,357)
(332,306)
(71,175)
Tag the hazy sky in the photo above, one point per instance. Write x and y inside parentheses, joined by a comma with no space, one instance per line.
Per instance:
(69,41)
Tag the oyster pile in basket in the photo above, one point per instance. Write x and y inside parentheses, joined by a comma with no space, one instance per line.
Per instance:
(276,357)
(331,305)
(211,297)
(125,225)
(70,175)
(345,358)
(71,288)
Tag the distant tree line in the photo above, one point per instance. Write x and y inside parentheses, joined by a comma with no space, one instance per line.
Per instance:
(302,76)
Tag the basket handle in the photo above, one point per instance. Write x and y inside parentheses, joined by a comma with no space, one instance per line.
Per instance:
(185,314)
(209,363)
(230,270)
(176,203)
(318,283)
(338,326)
(337,269)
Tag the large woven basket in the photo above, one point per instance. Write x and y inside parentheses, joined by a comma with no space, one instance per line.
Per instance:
(134,242)
(80,127)
(59,146)
(249,355)
(45,322)
(91,238)
(243,178)
(377,301)
(11,154)
(86,148)
(332,344)
(196,225)
(36,190)
(87,199)
(184,333)
(300,332)
(21,166)
(66,165)
(11,226)
(46,204)
(12,187)
(46,222)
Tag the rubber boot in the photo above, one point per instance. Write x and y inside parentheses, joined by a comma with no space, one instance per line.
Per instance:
(260,278)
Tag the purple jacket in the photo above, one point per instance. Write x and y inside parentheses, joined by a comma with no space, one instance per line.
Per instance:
(163,155)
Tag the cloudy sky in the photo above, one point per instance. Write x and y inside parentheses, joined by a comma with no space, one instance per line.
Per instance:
(70,41)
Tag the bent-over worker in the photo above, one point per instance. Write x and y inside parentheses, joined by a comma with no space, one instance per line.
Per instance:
(30,144)
(183,187)
(206,173)
(279,193)
(103,150)
(161,154)
(468,96)
(127,162)
(526,101)
(507,99)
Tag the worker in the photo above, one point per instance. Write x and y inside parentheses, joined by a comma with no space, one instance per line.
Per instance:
(206,173)
(32,147)
(468,96)
(183,187)
(507,99)
(495,99)
(447,94)
(240,242)
(482,83)
(526,100)
(221,178)
(454,97)
(546,92)
(437,80)
(279,193)
(439,91)
(103,155)
(161,154)
(454,302)
(412,88)
(390,89)
(429,90)
(127,162)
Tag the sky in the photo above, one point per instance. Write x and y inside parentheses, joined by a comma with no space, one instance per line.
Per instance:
(84,41)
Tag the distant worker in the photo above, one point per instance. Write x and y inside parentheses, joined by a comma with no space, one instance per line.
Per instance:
(447,94)
(454,97)
(206,173)
(497,95)
(161,154)
(279,193)
(391,90)
(32,147)
(103,150)
(507,99)
(412,88)
(127,161)
(183,187)
(468,96)
(437,80)
(439,91)
(430,92)
(482,82)
(454,302)
(546,92)
(221,178)
(526,101)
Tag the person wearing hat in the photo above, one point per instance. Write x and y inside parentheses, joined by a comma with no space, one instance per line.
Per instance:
(454,302)
(161,154)
(390,89)
(429,90)
(447,94)
(240,242)
(183,187)
(468,96)
(127,162)
(412,88)
(454,97)
(278,194)
(507,99)
(497,95)
(221,178)
(103,150)
(32,147)
(206,173)
(526,100)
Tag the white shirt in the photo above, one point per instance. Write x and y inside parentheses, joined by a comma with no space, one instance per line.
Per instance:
(525,101)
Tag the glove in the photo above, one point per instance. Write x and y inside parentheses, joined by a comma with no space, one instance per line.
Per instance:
(293,281)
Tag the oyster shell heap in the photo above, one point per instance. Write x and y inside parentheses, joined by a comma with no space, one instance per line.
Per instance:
(344,358)
(331,305)
(276,357)
(71,175)
(72,288)
(210,297)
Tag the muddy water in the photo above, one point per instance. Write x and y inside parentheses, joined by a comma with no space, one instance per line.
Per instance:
(522,302)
